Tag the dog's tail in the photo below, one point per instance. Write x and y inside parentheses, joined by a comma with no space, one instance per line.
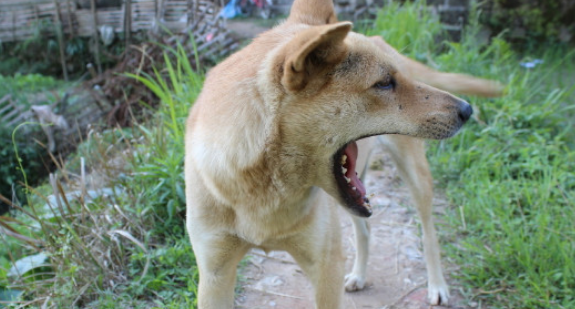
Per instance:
(450,82)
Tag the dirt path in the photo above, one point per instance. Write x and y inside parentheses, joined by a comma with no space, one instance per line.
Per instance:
(396,270)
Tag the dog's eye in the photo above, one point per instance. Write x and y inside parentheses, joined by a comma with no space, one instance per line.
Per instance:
(385,84)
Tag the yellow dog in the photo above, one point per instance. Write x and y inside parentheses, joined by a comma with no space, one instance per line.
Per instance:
(272,140)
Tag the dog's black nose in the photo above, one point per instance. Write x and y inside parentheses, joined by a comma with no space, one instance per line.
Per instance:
(465,111)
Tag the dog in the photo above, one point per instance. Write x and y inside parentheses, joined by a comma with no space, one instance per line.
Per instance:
(272,141)
(408,154)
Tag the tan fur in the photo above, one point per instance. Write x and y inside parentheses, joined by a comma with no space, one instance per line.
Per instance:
(261,138)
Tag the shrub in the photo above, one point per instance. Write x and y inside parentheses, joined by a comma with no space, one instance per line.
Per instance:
(530,21)
(125,248)
(11,176)
(509,173)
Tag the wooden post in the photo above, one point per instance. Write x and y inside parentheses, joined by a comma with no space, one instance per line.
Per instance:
(69,11)
(189,12)
(159,16)
(14,27)
(95,37)
(60,36)
(36,15)
(156,10)
(127,22)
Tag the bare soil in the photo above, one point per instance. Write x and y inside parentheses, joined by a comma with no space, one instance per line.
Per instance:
(396,269)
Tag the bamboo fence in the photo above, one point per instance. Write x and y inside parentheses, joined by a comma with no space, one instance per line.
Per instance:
(21,20)
(193,22)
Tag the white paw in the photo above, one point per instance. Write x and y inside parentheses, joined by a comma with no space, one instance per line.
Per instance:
(354,282)
(438,294)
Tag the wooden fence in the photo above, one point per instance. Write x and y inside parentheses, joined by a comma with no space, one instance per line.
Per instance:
(194,22)
(23,19)
(11,113)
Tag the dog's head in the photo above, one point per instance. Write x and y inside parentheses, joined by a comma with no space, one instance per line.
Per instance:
(336,87)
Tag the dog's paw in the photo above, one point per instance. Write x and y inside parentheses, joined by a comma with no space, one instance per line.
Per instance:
(438,295)
(354,282)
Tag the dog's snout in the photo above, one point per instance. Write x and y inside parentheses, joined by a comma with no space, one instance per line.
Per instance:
(465,110)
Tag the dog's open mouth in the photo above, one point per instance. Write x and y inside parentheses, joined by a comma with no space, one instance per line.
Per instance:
(351,189)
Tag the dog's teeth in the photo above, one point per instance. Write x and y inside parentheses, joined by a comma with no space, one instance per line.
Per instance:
(343,159)
(347,179)
(366,205)
(353,188)
(343,169)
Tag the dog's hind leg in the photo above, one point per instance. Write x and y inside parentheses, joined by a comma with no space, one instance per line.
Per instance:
(217,257)
(355,280)
(409,155)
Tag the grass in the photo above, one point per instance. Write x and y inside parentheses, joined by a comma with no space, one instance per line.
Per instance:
(411,29)
(509,172)
(511,177)
(18,85)
(25,91)
(508,175)
(116,237)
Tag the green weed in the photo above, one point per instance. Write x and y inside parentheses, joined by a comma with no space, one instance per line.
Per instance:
(21,86)
(110,223)
(510,176)
(411,28)
(160,167)
(509,172)
(25,90)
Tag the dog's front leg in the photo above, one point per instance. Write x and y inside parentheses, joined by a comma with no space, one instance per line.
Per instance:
(318,251)
(217,257)
(408,153)
(355,280)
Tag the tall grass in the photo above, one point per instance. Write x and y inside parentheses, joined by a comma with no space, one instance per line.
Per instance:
(511,177)
(509,174)
(177,88)
(108,227)
(411,28)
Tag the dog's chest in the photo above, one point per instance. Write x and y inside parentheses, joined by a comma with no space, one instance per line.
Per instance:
(267,226)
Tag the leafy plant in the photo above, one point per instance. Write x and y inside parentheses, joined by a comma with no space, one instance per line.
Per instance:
(412,29)
(509,172)
(529,22)
(161,166)
(126,238)
(25,90)
(11,175)
(23,87)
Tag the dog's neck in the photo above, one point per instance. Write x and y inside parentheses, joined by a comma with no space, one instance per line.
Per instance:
(259,167)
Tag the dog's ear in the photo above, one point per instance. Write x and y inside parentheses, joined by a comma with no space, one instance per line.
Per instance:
(312,53)
(313,12)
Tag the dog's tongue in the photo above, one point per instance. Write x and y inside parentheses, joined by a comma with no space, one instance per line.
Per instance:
(351,153)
